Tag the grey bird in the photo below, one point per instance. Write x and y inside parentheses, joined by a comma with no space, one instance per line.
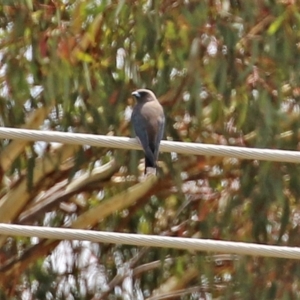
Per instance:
(148,122)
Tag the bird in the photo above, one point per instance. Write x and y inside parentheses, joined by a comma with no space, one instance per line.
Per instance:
(148,121)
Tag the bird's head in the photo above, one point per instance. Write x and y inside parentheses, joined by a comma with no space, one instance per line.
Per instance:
(143,95)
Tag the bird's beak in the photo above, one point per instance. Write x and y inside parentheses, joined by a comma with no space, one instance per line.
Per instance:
(136,94)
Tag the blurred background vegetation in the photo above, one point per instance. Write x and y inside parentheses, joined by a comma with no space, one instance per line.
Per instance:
(226,71)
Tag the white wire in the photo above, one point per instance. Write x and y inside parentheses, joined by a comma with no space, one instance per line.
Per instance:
(150,240)
(191,244)
(166,146)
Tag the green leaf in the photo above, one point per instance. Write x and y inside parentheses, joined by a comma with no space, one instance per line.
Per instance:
(273,28)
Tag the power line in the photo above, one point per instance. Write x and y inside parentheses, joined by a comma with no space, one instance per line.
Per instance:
(190,244)
(166,146)
(151,240)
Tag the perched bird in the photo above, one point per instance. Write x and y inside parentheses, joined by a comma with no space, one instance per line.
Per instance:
(148,122)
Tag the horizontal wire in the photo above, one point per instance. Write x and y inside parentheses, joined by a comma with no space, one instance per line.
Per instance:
(150,240)
(166,146)
(190,244)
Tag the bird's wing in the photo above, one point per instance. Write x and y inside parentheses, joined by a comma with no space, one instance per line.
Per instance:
(160,133)
(139,126)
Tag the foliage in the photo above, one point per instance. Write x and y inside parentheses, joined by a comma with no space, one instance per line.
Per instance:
(226,72)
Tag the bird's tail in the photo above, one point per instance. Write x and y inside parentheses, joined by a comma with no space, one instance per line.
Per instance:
(149,163)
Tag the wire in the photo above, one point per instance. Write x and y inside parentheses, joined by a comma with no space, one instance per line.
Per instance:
(166,146)
(190,244)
